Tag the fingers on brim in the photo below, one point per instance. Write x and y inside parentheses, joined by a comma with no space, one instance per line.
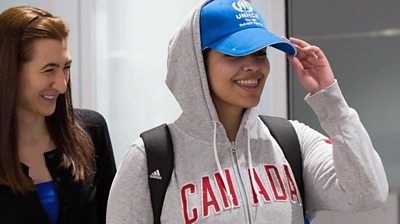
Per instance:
(313,51)
(303,46)
(299,42)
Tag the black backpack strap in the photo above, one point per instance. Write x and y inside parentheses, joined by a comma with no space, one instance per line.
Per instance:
(283,132)
(160,163)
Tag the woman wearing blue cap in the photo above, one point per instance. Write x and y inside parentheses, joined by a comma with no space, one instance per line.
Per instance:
(228,168)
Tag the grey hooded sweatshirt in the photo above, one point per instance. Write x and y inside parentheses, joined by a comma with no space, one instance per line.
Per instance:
(212,180)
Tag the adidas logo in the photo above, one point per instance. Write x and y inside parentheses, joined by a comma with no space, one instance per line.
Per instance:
(156,175)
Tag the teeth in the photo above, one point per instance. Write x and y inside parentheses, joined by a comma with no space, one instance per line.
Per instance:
(248,82)
(47,97)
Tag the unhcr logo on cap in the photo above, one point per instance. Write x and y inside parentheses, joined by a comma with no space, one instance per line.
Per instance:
(242,6)
(246,12)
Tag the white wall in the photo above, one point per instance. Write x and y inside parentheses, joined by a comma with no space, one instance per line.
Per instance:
(131,40)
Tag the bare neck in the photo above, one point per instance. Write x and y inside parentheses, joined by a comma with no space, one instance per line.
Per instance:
(33,141)
(230,119)
(33,136)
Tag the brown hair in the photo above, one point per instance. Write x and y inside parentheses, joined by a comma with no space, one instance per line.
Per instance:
(19,28)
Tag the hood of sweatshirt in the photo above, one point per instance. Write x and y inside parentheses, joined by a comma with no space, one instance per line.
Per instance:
(187,80)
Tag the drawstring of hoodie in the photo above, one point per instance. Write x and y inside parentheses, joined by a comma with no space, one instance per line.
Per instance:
(252,179)
(223,176)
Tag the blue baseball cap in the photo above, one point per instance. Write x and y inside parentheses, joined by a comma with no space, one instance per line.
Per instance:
(235,27)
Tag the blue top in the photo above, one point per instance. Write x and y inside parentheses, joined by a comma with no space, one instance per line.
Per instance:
(48,196)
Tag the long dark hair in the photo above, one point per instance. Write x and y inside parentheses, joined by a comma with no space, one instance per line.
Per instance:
(19,28)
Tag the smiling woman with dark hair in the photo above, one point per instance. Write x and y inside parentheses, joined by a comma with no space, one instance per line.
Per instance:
(56,163)
(228,166)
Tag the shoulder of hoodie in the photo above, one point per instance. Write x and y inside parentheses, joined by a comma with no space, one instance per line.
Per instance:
(136,149)
(135,155)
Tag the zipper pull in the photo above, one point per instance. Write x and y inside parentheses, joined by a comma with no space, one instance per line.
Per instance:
(233,147)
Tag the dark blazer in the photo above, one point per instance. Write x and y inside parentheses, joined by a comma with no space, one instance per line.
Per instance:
(77,203)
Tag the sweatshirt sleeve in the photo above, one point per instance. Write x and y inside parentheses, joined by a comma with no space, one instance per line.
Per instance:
(344,172)
(129,200)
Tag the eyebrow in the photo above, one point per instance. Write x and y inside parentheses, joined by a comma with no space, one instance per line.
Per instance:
(55,64)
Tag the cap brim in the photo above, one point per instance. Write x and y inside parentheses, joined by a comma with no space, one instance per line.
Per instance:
(250,40)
